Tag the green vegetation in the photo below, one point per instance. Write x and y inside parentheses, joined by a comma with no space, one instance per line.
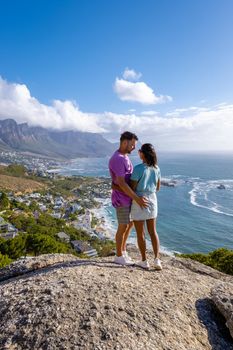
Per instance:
(13,248)
(39,236)
(31,244)
(43,244)
(33,206)
(4,201)
(80,211)
(14,170)
(17,205)
(45,224)
(104,248)
(4,260)
(37,230)
(220,259)
(94,222)
(64,186)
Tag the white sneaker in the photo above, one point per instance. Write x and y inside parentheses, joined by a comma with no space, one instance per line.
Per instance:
(126,255)
(157,264)
(121,260)
(143,264)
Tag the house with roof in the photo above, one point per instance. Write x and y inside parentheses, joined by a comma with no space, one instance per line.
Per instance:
(56,215)
(3,225)
(74,207)
(63,236)
(84,248)
(7,230)
(8,234)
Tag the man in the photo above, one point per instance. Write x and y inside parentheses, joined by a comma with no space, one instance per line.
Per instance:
(121,168)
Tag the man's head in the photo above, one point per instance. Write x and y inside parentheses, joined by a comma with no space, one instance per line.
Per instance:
(128,142)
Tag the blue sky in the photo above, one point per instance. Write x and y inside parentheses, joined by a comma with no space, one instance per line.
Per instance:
(90,53)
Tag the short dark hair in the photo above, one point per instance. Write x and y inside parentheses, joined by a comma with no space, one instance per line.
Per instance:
(127,135)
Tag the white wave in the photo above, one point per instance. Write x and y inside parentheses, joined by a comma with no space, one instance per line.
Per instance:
(104,214)
(176,176)
(172,179)
(56,170)
(180,179)
(200,193)
(71,169)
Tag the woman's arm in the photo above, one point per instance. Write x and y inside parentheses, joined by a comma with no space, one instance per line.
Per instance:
(158,185)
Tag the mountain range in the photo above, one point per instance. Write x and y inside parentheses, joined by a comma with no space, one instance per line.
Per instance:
(52,143)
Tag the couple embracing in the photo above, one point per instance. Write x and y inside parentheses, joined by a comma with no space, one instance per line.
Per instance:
(134,198)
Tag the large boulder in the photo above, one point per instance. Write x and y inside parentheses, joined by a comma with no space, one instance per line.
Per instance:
(222,295)
(59,302)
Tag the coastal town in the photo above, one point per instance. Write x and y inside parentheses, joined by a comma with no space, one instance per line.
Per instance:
(37,165)
(71,202)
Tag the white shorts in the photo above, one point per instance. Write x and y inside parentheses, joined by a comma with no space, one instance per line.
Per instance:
(151,212)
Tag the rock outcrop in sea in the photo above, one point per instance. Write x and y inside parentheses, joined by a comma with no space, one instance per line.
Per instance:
(62,302)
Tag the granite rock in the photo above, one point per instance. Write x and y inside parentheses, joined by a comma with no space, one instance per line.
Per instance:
(58,302)
(222,295)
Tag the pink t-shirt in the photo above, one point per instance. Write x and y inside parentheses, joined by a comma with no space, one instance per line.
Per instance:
(120,165)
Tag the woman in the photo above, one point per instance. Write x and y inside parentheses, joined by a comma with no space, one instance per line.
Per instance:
(145,181)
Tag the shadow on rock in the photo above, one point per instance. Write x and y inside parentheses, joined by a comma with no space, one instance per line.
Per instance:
(218,334)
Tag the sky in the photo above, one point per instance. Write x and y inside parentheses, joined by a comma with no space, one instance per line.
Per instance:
(161,69)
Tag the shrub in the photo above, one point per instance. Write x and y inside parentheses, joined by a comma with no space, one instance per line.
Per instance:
(44,244)
(14,247)
(16,170)
(104,248)
(220,259)
(4,201)
(4,260)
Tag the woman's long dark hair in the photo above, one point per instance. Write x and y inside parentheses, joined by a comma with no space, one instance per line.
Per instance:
(149,153)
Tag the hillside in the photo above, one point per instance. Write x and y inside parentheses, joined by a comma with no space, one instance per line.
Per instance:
(52,143)
(61,302)
(19,184)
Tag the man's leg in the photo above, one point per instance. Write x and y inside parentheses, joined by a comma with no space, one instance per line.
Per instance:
(122,229)
(126,235)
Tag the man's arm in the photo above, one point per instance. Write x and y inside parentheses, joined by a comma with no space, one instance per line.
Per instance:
(116,187)
(133,185)
(127,190)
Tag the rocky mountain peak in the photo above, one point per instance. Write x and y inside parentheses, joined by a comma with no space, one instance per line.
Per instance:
(53,143)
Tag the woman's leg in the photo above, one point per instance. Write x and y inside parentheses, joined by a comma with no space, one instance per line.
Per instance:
(151,227)
(139,227)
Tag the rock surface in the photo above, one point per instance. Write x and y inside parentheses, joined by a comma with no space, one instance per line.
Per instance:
(70,303)
(222,296)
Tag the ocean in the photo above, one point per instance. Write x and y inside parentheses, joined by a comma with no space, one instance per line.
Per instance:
(195,215)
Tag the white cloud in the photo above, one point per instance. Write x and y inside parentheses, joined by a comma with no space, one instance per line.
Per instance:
(185,112)
(130,74)
(137,92)
(182,129)
(132,110)
(16,102)
(151,113)
(129,89)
